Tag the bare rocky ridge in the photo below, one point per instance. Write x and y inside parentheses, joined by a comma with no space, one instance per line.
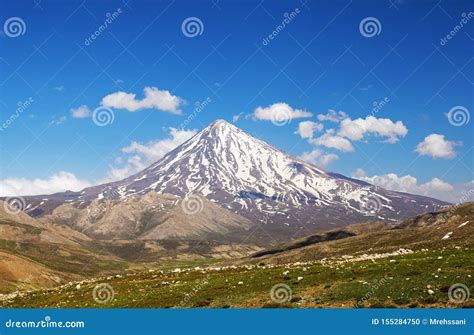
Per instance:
(152,217)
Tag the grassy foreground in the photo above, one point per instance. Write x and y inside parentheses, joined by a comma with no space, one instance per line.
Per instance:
(420,279)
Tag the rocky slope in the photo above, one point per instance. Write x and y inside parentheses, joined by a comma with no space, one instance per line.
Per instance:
(152,217)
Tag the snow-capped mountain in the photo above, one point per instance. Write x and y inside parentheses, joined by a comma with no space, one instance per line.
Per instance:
(287,196)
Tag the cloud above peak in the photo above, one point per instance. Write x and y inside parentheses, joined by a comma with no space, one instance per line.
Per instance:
(357,129)
(306,129)
(81,112)
(436,146)
(154,98)
(333,116)
(318,157)
(331,140)
(279,112)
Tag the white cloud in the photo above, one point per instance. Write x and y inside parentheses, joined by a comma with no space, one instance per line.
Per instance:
(435,188)
(236,118)
(154,98)
(145,154)
(133,165)
(333,116)
(356,129)
(306,129)
(58,120)
(331,140)
(59,88)
(436,146)
(280,111)
(59,182)
(80,112)
(154,150)
(318,157)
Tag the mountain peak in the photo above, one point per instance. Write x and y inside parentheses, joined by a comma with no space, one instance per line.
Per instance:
(220,123)
(250,177)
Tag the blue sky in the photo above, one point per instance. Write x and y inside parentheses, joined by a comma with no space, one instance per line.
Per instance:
(318,61)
